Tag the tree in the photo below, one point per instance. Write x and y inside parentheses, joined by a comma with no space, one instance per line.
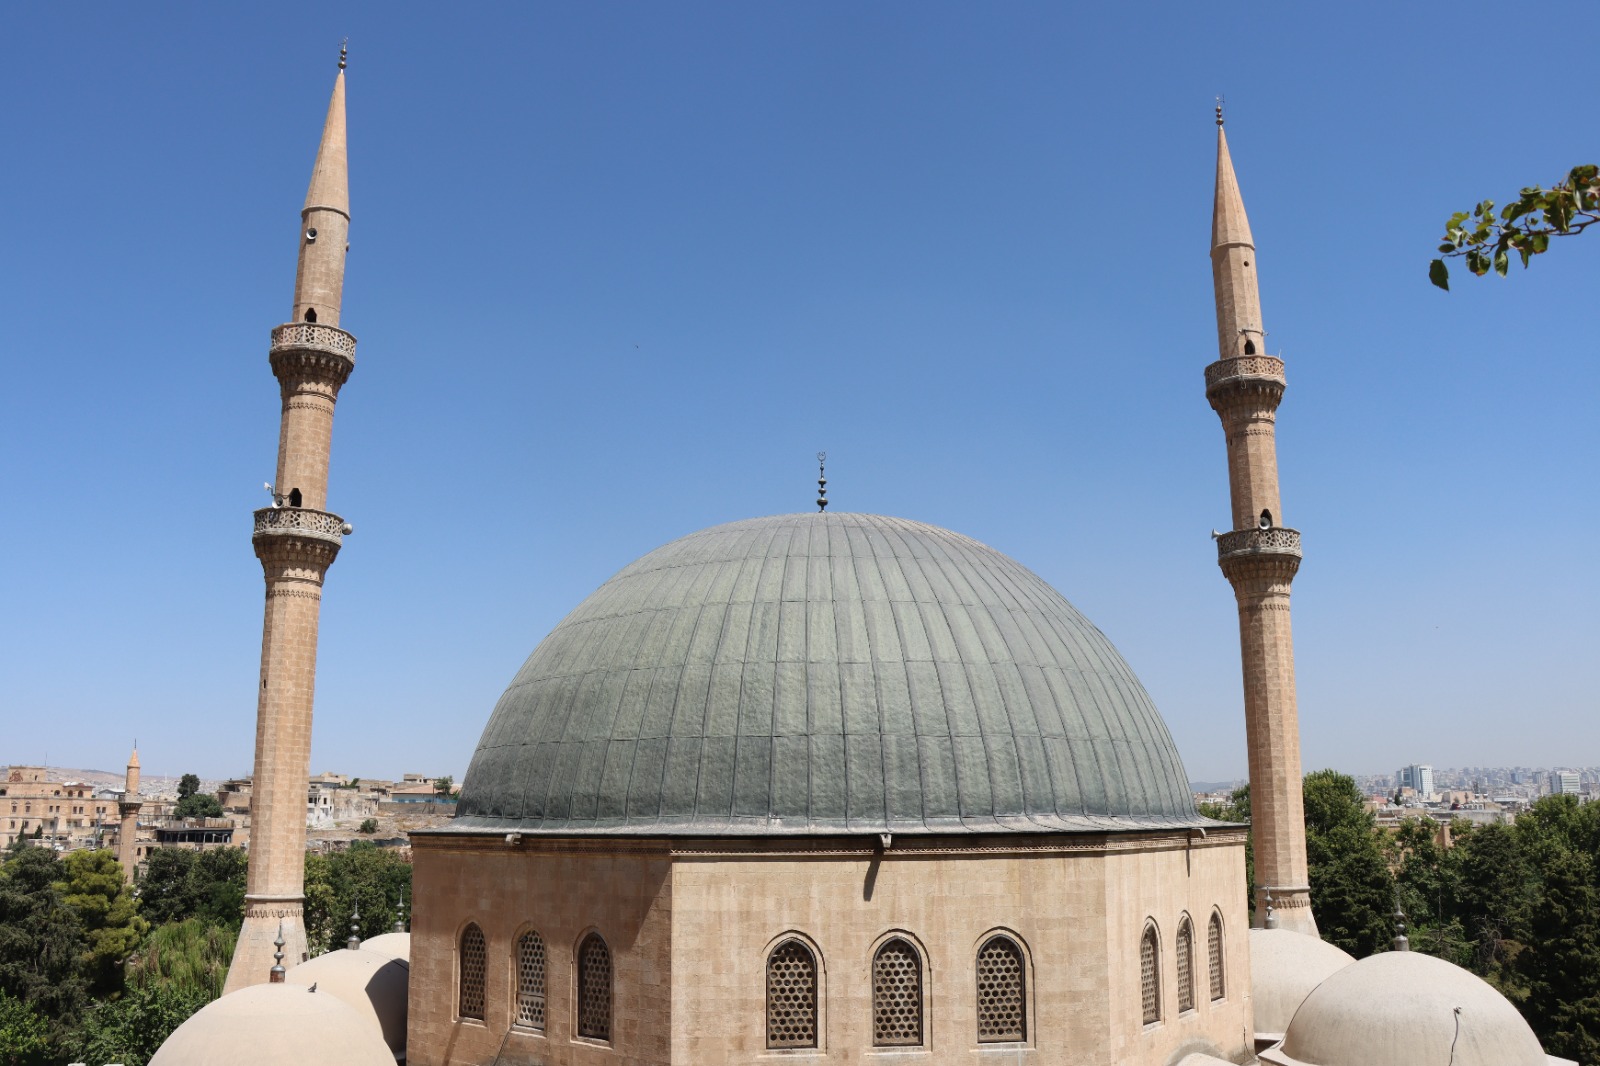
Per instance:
(365,877)
(178,885)
(443,785)
(130,1029)
(92,885)
(368,825)
(191,956)
(198,805)
(41,939)
(188,785)
(1486,240)
(1351,887)
(24,1036)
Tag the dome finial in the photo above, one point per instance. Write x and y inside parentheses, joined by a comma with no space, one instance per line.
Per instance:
(344,52)
(275,975)
(1271,920)
(400,916)
(354,943)
(1219,110)
(1400,941)
(822,481)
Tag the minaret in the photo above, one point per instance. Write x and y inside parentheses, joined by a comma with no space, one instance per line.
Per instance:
(128,806)
(296,540)
(1259,557)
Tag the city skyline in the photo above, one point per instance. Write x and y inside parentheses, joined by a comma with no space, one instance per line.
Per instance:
(618,276)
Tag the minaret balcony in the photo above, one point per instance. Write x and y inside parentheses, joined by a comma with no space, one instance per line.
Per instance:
(1275,540)
(310,349)
(272,522)
(1251,369)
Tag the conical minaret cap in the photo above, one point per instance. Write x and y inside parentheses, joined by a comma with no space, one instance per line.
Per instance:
(1229,224)
(330,178)
(133,760)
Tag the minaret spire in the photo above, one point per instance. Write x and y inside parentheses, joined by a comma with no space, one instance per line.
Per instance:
(1259,557)
(128,807)
(296,540)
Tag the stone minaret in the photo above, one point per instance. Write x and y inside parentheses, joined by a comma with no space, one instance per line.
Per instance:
(1259,557)
(128,806)
(296,540)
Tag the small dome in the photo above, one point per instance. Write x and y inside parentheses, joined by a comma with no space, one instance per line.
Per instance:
(395,946)
(1401,1008)
(824,673)
(274,1025)
(1284,967)
(374,984)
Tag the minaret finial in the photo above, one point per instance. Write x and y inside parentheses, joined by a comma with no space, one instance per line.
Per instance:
(354,943)
(276,974)
(1401,943)
(1220,101)
(822,481)
(344,52)
(1271,920)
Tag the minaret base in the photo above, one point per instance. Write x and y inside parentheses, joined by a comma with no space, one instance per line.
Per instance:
(1291,908)
(253,956)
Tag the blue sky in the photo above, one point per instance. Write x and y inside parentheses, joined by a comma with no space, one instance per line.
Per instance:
(619,270)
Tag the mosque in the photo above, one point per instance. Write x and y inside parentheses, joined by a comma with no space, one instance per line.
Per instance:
(821,788)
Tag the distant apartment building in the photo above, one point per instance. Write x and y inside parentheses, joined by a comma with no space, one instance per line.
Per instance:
(1418,778)
(64,815)
(1564,783)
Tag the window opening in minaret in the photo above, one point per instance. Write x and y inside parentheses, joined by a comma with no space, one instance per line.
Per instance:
(311,314)
(1249,346)
(295,497)
(1266,519)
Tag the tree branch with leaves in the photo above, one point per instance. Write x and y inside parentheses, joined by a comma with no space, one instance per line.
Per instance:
(1486,239)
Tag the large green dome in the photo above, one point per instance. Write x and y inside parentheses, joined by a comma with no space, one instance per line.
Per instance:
(824,673)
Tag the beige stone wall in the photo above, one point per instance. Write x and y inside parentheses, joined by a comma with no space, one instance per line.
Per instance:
(563,890)
(1077,913)
(68,811)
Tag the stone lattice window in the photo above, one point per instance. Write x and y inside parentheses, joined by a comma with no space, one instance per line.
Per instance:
(530,981)
(1002,1010)
(594,988)
(897,995)
(1150,975)
(791,996)
(474,967)
(1185,946)
(1214,952)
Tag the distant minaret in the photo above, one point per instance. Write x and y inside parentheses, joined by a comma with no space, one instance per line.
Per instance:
(128,806)
(296,541)
(1259,557)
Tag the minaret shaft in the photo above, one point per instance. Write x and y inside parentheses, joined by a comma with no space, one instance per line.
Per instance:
(128,809)
(296,540)
(1260,557)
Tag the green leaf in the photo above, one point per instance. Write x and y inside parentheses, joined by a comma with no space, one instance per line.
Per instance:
(1526,255)
(1502,262)
(1539,242)
(1439,274)
(1477,262)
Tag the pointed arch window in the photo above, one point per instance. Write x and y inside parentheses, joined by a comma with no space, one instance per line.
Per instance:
(530,980)
(1002,1004)
(791,996)
(1185,946)
(897,995)
(1150,974)
(594,988)
(1219,987)
(474,965)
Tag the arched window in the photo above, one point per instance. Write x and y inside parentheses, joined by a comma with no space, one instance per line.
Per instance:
(474,965)
(594,988)
(295,498)
(1214,951)
(791,996)
(1150,974)
(1185,945)
(530,981)
(311,314)
(897,995)
(1002,1007)
(1249,346)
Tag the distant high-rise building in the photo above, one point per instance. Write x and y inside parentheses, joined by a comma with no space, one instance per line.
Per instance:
(1417,777)
(1564,782)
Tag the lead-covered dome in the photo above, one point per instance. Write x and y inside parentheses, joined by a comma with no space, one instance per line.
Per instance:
(820,673)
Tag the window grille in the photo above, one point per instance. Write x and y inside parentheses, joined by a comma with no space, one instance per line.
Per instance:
(530,981)
(1185,966)
(791,996)
(1214,951)
(1002,1011)
(1149,977)
(474,965)
(897,995)
(594,988)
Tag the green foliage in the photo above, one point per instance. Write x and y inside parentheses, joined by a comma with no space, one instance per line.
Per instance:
(198,805)
(1486,239)
(41,939)
(179,884)
(1351,887)
(369,825)
(443,785)
(130,1029)
(92,885)
(364,876)
(188,785)
(24,1036)
(190,956)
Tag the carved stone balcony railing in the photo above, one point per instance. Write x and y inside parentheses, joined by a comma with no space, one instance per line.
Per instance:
(314,337)
(1274,541)
(301,522)
(1259,367)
